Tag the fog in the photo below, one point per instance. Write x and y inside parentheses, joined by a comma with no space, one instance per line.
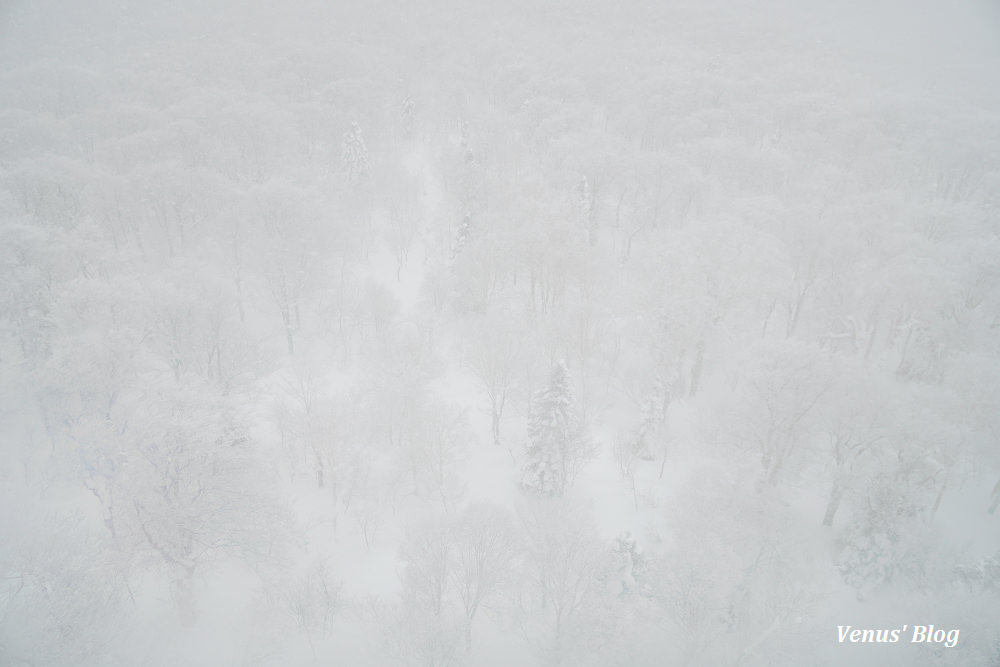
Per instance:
(531,333)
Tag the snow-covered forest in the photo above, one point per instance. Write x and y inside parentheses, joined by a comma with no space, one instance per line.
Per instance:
(498,333)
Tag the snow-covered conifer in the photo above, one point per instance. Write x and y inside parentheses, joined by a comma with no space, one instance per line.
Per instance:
(557,446)
(354,156)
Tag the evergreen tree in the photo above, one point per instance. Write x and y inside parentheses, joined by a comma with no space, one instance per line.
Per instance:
(649,435)
(557,446)
(354,156)
(463,237)
(632,565)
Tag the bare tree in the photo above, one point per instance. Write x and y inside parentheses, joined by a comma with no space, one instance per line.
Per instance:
(428,555)
(564,557)
(494,350)
(441,441)
(486,547)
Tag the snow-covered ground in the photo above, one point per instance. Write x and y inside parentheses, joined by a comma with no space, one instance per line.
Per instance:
(526,334)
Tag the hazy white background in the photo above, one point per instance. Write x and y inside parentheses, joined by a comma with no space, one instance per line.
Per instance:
(519,333)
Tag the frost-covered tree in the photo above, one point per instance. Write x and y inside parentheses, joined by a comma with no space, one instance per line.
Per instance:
(354,156)
(193,489)
(435,443)
(62,585)
(855,422)
(485,552)
(890,541)
(496,347)
(647,442)
(289,259)
(783,389)
(557,446)
(584,199)
(462,238)
(563,563)
(428,555)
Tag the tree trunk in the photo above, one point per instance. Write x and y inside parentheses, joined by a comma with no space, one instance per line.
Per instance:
(48,428)
(906,347)
(767,318)
(836,495)
(496,427)
(184,598)
(533,281)
(871,340)
(497,404)
(793,317)
(468,632)
(287,320)
(940,495)
(696,370)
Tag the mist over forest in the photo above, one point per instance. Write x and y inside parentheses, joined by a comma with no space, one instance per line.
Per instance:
(461,334)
